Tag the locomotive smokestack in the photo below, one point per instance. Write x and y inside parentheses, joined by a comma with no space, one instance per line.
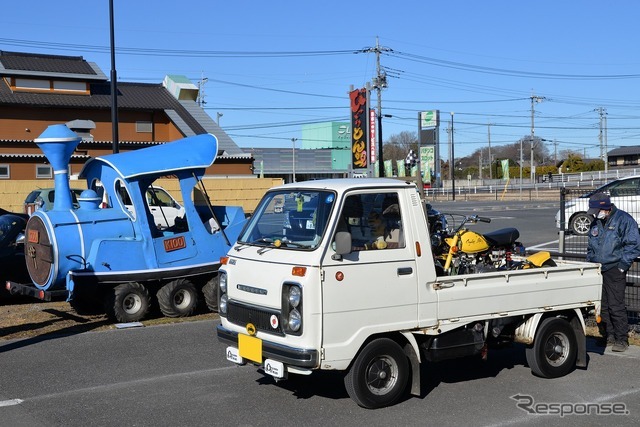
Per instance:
(57,143)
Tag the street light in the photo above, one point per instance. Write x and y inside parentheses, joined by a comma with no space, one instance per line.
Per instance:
(218,115)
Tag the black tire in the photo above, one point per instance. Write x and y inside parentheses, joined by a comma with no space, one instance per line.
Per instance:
(554,350)
(549,263)
(129,302)
(580,224)
(379,375)
(85,303)
(177,298)
(210,292)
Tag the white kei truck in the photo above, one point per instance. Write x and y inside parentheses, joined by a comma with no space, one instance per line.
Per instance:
(298,292)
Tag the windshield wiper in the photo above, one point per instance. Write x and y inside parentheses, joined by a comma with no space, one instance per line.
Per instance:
(296,244)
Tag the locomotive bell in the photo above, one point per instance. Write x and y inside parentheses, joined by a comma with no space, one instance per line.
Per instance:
(57,143)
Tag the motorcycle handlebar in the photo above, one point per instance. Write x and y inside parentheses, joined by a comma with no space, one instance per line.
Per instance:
(484,219)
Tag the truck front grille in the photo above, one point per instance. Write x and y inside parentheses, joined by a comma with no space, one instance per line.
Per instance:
(241,314)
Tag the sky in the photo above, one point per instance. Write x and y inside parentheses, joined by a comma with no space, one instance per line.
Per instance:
(273,66)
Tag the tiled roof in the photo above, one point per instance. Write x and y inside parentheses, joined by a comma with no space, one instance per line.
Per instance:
(36,64)
(132,96)
(625,151)
(45,63)
(186,115)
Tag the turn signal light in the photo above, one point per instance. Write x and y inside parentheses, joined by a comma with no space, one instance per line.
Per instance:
(299,271)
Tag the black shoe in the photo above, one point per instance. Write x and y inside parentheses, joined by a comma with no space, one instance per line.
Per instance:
(608,342)
(620,346)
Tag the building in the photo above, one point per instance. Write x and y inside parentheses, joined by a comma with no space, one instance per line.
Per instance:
(324,151)
(624,157)
(38,90)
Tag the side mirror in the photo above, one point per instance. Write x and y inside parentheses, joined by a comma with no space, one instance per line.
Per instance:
(343,242)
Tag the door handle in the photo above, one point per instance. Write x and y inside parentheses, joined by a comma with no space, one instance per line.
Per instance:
(404,271)
(443,285)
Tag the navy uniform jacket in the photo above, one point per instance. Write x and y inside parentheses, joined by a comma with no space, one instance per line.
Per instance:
(615,243)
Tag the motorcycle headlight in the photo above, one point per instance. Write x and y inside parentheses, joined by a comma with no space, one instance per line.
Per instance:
(295,320)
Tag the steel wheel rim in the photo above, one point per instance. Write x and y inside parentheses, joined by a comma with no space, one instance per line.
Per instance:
(556,349)
(381,375)
(182,299)
(132,303)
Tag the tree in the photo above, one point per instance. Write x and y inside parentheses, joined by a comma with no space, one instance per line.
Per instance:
(398,145)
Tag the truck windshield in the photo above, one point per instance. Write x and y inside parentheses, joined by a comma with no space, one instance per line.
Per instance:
(290,219)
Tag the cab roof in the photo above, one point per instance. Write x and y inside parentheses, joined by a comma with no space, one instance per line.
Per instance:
(194,152)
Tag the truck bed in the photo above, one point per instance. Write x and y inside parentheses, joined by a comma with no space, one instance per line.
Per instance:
(465,298)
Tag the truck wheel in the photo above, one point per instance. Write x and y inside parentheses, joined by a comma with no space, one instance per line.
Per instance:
(177,298)
(210,292)
(554,351)
(580,224)
(129,302)
(378,377)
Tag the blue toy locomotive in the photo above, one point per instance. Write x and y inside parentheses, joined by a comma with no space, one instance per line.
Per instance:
(109,253)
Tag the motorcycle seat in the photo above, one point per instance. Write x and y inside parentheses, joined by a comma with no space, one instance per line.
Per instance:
(502,237)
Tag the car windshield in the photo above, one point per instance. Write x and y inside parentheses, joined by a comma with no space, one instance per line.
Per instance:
(286,219)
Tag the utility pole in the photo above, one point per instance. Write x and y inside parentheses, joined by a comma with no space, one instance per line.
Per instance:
(293,158)
(489,139)
(452,166)
(379,83)
(603,138)
(534,99)
(200,100)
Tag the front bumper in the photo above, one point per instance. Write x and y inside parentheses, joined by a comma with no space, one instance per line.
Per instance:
(292,356)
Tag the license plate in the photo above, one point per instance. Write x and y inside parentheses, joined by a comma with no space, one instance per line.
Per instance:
(233,355)
(274,368)
(250,347)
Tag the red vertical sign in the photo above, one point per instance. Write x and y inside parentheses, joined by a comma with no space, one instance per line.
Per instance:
(372,135)
(358,99)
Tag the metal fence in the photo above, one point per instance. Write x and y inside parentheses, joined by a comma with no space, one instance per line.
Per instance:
(573,246)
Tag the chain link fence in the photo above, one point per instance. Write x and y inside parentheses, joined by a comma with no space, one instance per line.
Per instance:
(573,224)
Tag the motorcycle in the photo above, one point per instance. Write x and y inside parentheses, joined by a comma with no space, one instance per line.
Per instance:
(462,251)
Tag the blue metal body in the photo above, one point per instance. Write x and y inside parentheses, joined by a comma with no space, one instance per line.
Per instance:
(67,248)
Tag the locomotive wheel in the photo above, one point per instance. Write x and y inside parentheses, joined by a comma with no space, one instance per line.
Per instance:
(87,303)
(210,292)
(177,298)
(379,375)
(555,349)
(129,302)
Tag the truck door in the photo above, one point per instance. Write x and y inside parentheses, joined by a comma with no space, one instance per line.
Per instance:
(374,288)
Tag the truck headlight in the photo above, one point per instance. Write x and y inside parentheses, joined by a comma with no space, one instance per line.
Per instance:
(294,296)
(222,282)
(295,320)
(222,305)
(222,294)
(292,308)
